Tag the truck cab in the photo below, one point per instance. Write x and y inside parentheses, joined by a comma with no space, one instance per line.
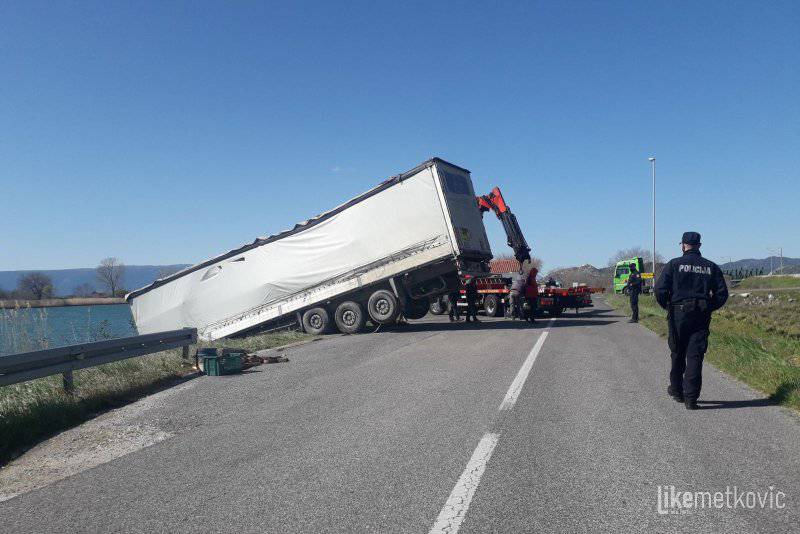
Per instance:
(622,272)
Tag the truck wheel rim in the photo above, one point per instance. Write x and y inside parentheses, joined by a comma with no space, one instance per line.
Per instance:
(382,306)
(315,321)
(349,318)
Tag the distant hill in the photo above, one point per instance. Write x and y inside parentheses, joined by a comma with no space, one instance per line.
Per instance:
(790,265)
(585,274)
(602,277)
(66,280)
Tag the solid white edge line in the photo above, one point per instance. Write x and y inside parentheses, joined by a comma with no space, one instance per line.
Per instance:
(457,504)
(516,386)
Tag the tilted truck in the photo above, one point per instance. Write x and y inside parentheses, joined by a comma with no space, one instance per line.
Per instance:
(384,253)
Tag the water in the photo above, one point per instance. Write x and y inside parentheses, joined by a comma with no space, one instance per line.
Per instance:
(36,328)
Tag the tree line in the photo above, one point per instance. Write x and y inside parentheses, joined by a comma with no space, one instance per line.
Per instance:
(739,274)
(109,275)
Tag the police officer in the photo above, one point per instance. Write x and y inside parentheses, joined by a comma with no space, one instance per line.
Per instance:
(690,288)
(634,286)
(471,292)
(452,299)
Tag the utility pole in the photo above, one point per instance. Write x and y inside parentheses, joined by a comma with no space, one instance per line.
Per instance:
(777,250)
(652,160)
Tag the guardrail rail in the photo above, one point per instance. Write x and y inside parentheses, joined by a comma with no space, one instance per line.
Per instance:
(15,368)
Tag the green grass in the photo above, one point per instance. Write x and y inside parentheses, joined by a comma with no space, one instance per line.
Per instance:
(769,282)
(35,410)
(756,340)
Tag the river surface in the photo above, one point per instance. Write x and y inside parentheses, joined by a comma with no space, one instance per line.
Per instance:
(36,328)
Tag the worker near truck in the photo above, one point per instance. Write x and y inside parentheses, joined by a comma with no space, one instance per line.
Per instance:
(634,287)
(452,300)
(471,293)
(532,293)
(690,288)
(515,293)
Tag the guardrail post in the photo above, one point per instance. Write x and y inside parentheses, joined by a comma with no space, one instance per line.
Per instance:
(69,384)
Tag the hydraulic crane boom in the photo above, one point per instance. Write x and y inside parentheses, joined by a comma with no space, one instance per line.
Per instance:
(495,202)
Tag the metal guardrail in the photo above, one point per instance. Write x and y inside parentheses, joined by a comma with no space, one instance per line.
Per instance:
(26,366)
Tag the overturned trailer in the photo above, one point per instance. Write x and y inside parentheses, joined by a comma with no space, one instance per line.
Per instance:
(384,253)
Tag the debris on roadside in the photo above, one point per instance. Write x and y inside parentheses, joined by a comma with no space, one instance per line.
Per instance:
(227,361)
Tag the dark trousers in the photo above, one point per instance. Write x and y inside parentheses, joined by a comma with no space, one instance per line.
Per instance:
(688,342)
(472,308)
(514,303)
(454,312)
(634,305)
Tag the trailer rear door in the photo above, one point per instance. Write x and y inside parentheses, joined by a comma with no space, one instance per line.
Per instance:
(466,224)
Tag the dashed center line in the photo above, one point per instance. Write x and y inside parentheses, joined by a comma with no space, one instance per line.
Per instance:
(457,504)
(455,509)
(516,386)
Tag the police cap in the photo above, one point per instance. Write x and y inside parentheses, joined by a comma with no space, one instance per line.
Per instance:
(690,238)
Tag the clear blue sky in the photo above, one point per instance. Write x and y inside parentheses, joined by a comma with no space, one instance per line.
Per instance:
(165,132)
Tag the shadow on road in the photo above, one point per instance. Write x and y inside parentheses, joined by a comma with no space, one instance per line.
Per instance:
(482,325)
(582,322)
(596,311)
(719,405)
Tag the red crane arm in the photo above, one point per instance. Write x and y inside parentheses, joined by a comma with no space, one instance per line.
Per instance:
(495,202)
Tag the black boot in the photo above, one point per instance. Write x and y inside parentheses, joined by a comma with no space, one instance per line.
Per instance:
(691,404)
(677,396)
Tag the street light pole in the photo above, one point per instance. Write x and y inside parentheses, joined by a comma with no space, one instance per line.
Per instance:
(653,162)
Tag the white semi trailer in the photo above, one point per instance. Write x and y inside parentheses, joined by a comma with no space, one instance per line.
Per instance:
(384,253)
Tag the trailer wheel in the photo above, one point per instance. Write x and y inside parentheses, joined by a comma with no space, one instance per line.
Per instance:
(383,307)
(350,317)
(415,309)
(316,321)
(491,306)
(438,307)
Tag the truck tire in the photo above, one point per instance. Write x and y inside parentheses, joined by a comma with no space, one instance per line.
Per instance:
(491,305)
(416,309)
(316,321)
(350,317)
(383,307)
(556,312)
(438,307)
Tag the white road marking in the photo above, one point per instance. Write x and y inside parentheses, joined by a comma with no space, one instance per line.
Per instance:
(455,509)
(516,386)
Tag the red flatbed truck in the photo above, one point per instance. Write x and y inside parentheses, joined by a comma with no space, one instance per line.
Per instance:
(552,301)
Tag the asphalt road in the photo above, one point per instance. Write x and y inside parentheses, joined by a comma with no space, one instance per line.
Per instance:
(402,431)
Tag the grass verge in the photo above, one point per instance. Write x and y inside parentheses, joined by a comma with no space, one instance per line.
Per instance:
(769,282)
(33,411)
(753,340)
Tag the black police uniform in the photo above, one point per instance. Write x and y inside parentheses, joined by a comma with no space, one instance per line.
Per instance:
(471,292)
(634,288)
(453,312)
(690,288)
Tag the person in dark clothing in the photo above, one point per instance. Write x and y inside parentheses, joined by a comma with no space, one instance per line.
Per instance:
(634,286)
(515,295)
(452,299)
(471,290)
(690,288)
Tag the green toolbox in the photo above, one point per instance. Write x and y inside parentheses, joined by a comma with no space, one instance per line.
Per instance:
(218,362)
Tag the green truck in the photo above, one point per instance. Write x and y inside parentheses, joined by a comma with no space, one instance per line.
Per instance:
(622,272)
